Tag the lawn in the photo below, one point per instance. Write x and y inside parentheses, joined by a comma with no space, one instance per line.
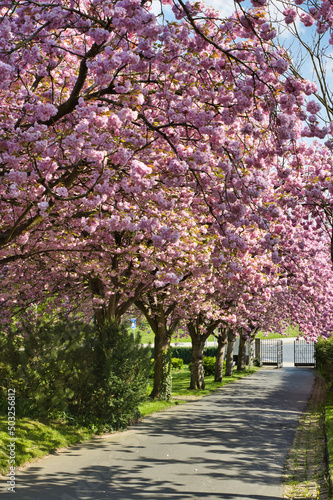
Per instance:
(291,332)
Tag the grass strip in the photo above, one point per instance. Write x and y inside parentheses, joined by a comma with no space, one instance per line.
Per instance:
(148,407)
(35,439)
(305,474)
(329,432)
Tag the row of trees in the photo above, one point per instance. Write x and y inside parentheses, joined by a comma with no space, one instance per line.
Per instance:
(162,165)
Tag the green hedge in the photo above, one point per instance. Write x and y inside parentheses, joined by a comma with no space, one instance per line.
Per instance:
(210,351)
(209,365)
(324,359)
(185,353)
(324,364)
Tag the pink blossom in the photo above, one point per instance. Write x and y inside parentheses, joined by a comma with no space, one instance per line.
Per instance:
(23,239)
(313,107)
(127,114)
(138,169)
(281,65)
(290,15)
(98,301)
(307,20)
(43,205)
(62,191)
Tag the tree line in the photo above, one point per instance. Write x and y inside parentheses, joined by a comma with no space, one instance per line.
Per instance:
(182,167)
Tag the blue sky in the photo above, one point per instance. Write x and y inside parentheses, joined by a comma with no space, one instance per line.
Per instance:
(286,39)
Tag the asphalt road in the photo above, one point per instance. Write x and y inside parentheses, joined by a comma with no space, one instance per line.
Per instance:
(229,445)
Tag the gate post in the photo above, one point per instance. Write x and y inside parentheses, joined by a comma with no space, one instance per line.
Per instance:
(257,352)
(280,353)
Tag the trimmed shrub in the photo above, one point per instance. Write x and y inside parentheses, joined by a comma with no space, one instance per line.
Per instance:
(208,364)
(177,363)
(152,368)
(185,353)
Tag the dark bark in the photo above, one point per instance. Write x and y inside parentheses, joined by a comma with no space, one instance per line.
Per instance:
(252,339)
(229,363)
(197,370)
(198,345)
(68,106)
(157,315)
(222,340)
(241,360)
(97,289)
(115,307)
(161,345)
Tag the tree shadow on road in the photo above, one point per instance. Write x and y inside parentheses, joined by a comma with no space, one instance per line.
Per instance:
(229,445)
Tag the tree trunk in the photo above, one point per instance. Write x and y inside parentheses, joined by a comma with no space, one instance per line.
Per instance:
(222,341)
(157,316)
(99,316)
(251,351)
(241,361)
(198,345)
(197,370)
(230,353)
(162,365)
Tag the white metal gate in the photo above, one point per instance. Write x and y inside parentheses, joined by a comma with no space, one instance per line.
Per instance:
(269,352)
(304,353)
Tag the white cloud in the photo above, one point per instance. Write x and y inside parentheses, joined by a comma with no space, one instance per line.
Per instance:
(226,7)
(157,8)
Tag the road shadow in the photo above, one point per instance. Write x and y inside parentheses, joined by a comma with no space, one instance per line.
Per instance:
(229,445)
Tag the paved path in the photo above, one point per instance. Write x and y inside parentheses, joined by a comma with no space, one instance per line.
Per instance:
(229,445)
